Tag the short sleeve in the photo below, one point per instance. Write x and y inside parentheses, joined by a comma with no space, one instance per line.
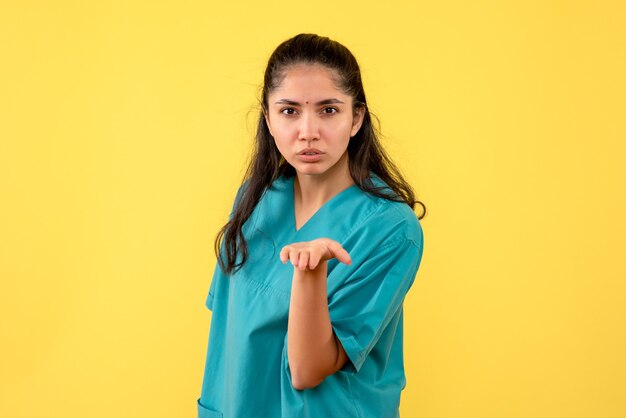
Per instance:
(362,307)
(218,274)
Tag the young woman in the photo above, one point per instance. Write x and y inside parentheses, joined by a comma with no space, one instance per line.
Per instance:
(319,252)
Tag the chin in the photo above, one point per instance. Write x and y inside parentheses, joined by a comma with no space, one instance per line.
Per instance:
(313,169)
(310,171)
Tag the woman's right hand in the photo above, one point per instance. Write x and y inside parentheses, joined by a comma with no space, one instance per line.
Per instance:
(311,254)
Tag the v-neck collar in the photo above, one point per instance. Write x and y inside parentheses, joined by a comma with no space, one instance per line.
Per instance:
(318,213)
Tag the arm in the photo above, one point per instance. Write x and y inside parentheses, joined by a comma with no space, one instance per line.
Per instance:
(313,349)
(314,352)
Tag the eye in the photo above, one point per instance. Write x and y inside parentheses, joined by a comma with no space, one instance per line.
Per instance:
(330,110)
(288,111)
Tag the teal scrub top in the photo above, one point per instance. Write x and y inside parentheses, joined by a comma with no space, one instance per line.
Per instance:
(247,371)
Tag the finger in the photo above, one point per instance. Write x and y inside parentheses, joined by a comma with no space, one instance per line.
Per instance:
(304,260)
(339,252)
(284,254)
(314,259)
(294,254)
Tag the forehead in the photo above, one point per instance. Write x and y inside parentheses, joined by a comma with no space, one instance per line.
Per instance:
(311,80)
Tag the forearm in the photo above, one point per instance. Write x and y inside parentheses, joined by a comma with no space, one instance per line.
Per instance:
(311,345)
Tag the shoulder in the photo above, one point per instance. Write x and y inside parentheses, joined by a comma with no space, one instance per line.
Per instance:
(397,219)
(377,225)
(278,186)
(272,203)
(394,224)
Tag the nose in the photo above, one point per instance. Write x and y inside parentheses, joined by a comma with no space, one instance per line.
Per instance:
(309,127)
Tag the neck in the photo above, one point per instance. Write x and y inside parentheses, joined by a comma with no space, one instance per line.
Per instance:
(312,191)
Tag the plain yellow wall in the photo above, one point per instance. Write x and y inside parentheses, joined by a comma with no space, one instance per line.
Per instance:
(124,130)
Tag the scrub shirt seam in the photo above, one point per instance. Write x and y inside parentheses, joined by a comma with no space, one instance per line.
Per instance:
(402,215)
(264,288)
(381,202)
(399,240)
(351,345)
(354,398)
(366,216)
(412,241)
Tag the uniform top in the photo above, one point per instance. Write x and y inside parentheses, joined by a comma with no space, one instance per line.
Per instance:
(247,372)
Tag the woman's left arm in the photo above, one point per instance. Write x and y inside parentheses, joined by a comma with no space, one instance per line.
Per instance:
(313,350)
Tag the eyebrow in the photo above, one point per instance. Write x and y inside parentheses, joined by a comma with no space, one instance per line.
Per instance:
(322,102)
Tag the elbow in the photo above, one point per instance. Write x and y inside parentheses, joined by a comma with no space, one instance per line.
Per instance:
(300,380)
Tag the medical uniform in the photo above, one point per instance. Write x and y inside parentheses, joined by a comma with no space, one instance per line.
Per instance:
(247,372)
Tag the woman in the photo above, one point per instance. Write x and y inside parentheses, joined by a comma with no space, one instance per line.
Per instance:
(320,250)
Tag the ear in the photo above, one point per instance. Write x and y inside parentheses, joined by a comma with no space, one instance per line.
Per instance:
(357,120)
(267,122)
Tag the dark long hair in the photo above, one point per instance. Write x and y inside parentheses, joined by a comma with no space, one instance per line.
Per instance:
(365,153)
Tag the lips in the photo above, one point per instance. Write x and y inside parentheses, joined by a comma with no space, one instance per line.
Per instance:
(310,156)
(310,151)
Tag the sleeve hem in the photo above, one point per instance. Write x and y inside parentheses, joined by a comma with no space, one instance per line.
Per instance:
(354,352)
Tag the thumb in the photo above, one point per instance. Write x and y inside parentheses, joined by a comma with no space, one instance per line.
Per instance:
(339,252)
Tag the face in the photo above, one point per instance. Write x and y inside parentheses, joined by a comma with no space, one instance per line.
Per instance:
(312,121)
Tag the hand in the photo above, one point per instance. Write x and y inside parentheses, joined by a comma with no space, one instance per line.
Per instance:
(310,254)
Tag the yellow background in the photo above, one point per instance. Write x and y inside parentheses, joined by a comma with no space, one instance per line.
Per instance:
(124,131)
